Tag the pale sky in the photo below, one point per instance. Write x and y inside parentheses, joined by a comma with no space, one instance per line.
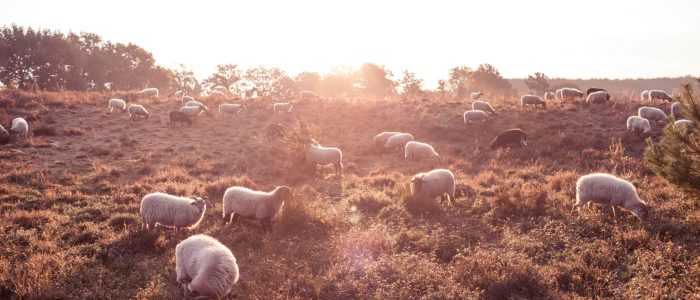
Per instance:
(574,39)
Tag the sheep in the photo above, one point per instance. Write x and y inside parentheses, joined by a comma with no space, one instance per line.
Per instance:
(688,125)
(510,136)
(137,110)
(192,111)
(274,130)
(116,103)
(281,107)
(186,99)
(598,97)
(652,114)
(676,110)
(549,96)
(20,127)
(645,95)
(179,94)
(593,90)
(148,92)
(398,140)
(319,155)
(638,124)
(177,116)
(247,203)
(659,94)
(435,183)
(571,93)
(196,104)
(474,115)
(483,106)
(231,108)
(205,268)
(415,149)
(217,94)
(380,139)
(171,211)
(308,95)
(476,95)
(532,100)
(609,190)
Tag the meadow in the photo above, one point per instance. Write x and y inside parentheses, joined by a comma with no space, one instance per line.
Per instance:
(70,194)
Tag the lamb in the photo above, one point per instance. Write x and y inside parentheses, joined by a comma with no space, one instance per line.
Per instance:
(148,92)
(205,268)
(638,124)
(532,100)
(192,111)
(474,115)
(571,93)
(659,94)
(116,103)
(137,110)
(380,139)
(609,190)
(415,149)
(510,136)
(399,140)
(438,182)
(549,96)
(171,211)
(247,203)
(231,108)
(483,106)
(176,116)
(676,110)
(688,125)
(476,95)
(308,95)
(645,95)
(193,103)
(652,114)
(598,97)
(319,155)
(274,130)
(20,127)
(281,107)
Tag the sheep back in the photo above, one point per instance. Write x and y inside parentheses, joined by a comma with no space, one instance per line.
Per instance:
(171,211)
(255,204)
(205,266)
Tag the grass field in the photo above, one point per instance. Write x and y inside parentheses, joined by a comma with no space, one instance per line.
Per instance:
(70,225)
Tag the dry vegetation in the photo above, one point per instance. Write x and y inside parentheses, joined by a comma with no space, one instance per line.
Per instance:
(70,226)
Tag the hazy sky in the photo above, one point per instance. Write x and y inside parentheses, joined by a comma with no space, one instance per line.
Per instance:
(607,38)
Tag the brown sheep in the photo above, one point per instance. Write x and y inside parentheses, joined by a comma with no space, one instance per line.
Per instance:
(510,136)
(176,116)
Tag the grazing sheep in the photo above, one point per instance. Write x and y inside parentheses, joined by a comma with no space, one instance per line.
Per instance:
(205,268)
(510,136)
(274,130)
(438,182)
(645,95)
(532,100)
(186,99)
(281,107)
(398,140)
(676,110)
(688,125)
(415,149)
(137,110)
(474,115)
(659,94)
(149,92)
(638,124)
(308,95)
(571,93)
(476,95)
(179,94)
(231,108)
(19,127)
(247,203)
(598,97)
(593,90)
(483,106)
(380,139)
(192,111)
(652,114)
(549,96)
(196,104)
(116,103)
(171,211)
(177,116)
(609,190)
(319,155)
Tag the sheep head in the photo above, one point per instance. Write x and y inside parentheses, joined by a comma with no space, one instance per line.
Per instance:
(418,182)
(284,193)
(200,202)
(641,211)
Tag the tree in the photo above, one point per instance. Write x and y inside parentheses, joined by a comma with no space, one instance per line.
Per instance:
(186,81)
(538,83)
(308,81)
(339,82)
(442,88)
(410,85)
(488,80)
(225,76)
(458,81)
(676,157)
(269,80)
(375,80)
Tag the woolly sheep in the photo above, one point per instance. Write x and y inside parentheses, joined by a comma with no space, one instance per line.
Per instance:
(645,95)
(308,94)
(684,124)
(398,140)
(380,139)
(231,108)
(593,90)
(597,97)
(474,115)
(20,127)
(192,111)
(116,103)
(510,136)
(652,114)
(476,95)
(196,104)
(247,203)
(638,124)
(319,155)
(148,92)
(571,93)
(281,107)
(415,149)
(659,94)
(483,106)
(137,110)
(609,190)
(676,110)
(177,116)
(171,211)
(205,268)
(549,96)
(532,100)
(186,99)
(438,182)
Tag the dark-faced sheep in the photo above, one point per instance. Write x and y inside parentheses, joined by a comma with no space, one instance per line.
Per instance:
(176,116)
(511,136)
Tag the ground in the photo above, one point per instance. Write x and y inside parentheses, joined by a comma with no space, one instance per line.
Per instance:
(70,225)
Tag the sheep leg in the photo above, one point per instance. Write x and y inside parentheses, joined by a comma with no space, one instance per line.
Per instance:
(614,214)
(233,220)
(442,199)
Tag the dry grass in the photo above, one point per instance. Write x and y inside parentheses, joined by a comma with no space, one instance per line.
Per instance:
(70,225)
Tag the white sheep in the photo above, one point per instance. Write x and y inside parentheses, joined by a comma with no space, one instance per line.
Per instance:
(116,103)
(192,111)
(319,155)
(638,124)
(483,106)
(231,108)
(676,110)
(597,97)
(571,93)
(281,107)
(20,127)
(607,189)
(179,94)
(186,99)
(549,96)
(205,268)
(688,125)
(438,182)
(247,203)
(380,139)
(652,114)
(476,95)
(645,95)
(474,115)
(148,92)
(415,149)
(532,100)
(137,110)
(659,94)
(171,211)
(398,140)
(194,103)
